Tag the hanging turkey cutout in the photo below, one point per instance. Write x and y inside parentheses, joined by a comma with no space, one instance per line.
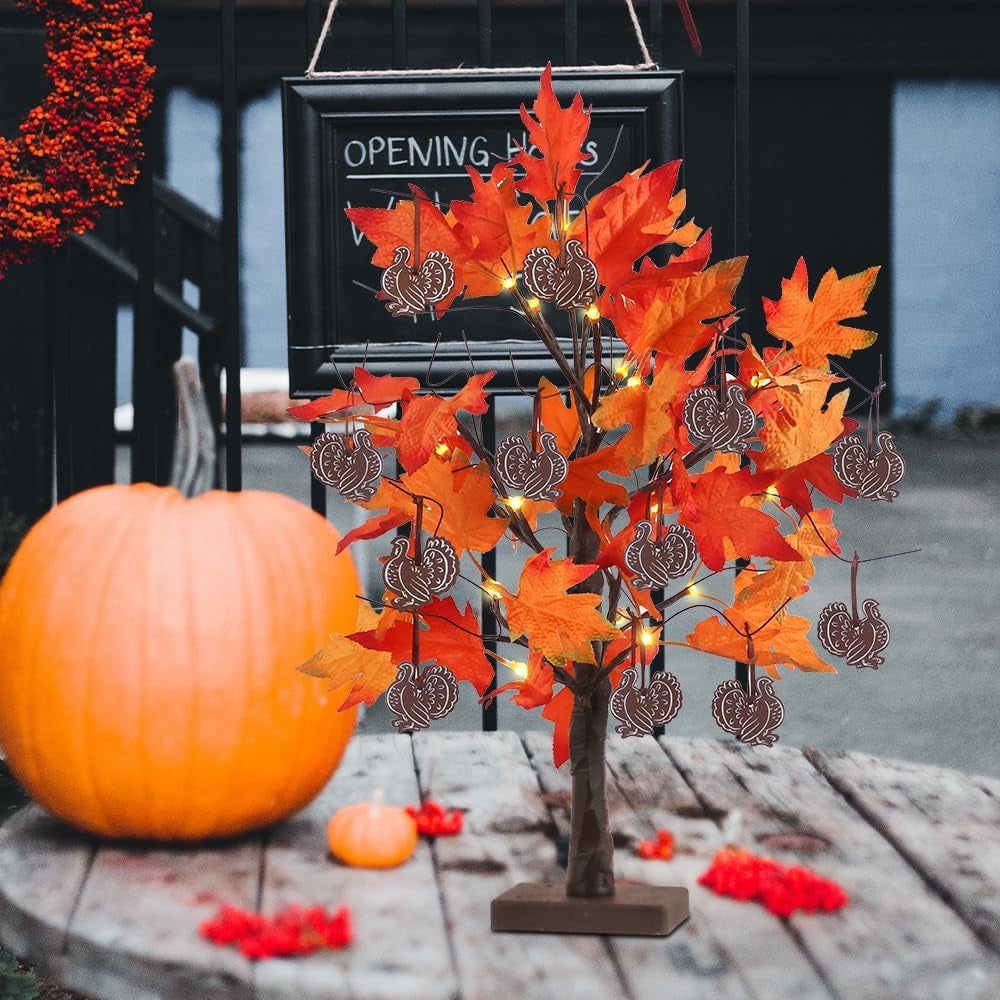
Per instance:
(872,473)
(722,426)
(534,475)
(412,290)
(417,582)
(569,283)
(417,700)
(639,709)
(354,472)
(752,720)
(857,638)
(655,563)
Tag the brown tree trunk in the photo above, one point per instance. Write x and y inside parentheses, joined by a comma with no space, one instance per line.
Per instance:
(591,853)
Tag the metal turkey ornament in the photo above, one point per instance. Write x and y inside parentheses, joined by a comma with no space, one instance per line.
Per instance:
(723,426)
(857,638)
(639,709)
(873,473)
(752,719)
(655,562)
(417,699)
(412,290)
(568,282)
(353,469)
(417,579)
(534,475)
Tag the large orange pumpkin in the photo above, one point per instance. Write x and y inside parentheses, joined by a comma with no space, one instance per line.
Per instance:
(148,646)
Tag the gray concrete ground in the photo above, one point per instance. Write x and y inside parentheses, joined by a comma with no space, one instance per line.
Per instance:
(937,697)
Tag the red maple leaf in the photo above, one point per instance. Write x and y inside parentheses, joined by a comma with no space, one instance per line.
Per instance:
(715,509)
(454,639)
(559,711)
(557,133)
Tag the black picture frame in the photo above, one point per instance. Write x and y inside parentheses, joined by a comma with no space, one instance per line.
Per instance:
(334,134)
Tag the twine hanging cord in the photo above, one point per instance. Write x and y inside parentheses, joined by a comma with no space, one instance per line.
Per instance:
(311,71)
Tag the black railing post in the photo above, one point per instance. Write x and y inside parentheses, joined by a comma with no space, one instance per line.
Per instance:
(489,620)
(484,19)
(231,332)
(571,32)
(741,193)
(400,46)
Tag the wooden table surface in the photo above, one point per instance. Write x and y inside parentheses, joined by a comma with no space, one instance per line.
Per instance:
(917,849)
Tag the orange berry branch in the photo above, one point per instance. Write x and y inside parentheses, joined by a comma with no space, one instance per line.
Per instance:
(83,143)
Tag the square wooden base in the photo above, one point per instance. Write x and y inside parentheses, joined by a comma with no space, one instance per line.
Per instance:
(649,910)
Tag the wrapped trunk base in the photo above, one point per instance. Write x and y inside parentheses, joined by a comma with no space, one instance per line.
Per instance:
(590,902)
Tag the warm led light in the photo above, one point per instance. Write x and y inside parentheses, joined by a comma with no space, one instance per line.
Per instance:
(634,381)
(515,503)
(509,282)
(649,637)
(534,304)
(654,508)
(758,382)
(593,313)
(442,449)
(520,668)
(622,370)
(692,590)
(492,588)
(772,490)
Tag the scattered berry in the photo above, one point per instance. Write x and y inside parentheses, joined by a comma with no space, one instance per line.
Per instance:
(433,820)
(662,847)
(782,889)
(294,931)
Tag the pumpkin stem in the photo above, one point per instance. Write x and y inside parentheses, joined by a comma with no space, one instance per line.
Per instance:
(194,452)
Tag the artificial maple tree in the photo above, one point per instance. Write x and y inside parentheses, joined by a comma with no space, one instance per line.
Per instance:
(661,444)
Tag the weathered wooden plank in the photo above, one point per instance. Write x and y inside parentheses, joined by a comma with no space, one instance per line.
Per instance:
(894,939)
(507,839)
(400,947)
(42,868)
(946,824)
(709,955)
(134,934)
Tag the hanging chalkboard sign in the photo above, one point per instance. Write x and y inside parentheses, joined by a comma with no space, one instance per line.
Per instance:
(362,140)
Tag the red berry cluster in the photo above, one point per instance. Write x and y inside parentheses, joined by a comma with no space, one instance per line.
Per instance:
(433,820)
(296,930)
(662,846)
(782,889)
(79,146)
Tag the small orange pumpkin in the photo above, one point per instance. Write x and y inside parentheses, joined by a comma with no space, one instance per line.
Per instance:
(372,835)
(148,646)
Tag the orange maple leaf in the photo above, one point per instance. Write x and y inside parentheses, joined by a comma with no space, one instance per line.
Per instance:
(374,527)
(672,318)
(496,229)
(457,500)
(813,326)
(648,408)
(628,219)
(719,506)
(454,639)
(783,641)
(802,428)
(559,711)
(557,133)
(429,421)
(583,480)
(787,580)
(559,416)
(362,673)
(390,228)
(791,486)
(643,284)
(559,625)
(536,686)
